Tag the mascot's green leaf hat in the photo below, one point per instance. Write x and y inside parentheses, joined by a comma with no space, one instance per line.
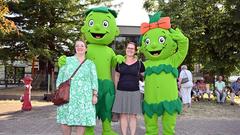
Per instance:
(103,10)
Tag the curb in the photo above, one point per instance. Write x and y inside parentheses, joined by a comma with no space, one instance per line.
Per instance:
(17,97)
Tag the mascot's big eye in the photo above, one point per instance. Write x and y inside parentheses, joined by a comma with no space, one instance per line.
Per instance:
(91,23)
(105,23)
(147,41)
(161,40)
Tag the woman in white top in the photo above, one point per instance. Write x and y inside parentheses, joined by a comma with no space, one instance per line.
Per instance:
(185,86)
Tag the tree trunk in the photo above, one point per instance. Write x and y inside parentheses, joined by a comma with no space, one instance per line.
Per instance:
(40,80)
(33,68)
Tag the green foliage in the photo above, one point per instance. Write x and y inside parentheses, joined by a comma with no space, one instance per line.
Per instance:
(48,28)
(213,28)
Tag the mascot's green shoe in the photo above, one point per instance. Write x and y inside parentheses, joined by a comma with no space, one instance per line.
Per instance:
(89,131)
(107,128)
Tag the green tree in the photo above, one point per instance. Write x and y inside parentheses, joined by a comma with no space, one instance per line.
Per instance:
(48,29)
(213,28)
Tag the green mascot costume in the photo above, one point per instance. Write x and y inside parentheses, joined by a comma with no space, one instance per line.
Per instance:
(100,30)
(165,49)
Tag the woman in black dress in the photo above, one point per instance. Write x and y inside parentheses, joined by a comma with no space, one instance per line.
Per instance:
(128,97)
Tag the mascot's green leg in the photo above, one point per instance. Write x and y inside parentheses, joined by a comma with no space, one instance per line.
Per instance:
(169,123)
(151,124)
(89,131)
(107,128)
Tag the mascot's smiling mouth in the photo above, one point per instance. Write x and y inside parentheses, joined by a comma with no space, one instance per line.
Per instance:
(155,53)
(97,35)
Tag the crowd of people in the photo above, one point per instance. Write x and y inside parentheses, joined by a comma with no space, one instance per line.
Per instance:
(219,90)
(129,86)
(94,94)
(196,90)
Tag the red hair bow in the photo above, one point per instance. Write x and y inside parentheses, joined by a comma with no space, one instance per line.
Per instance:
(161,23)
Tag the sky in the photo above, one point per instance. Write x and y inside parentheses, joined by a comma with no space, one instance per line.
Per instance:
(131,13)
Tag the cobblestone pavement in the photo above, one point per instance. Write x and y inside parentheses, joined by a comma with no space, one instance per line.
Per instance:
(41,121)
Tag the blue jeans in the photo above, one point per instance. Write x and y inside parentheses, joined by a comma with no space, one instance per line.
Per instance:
(221,96)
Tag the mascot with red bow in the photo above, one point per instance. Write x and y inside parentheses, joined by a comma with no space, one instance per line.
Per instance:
(165,49)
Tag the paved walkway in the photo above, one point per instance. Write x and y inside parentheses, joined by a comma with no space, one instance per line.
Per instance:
(41,121)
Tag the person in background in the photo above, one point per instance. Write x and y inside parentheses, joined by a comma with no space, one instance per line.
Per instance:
(235,90)
(208,91)
(202,87)
(220,90)
(195,91)
(128,97)
(186,88)
(80,111)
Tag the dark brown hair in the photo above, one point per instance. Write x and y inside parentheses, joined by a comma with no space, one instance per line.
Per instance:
(132,43)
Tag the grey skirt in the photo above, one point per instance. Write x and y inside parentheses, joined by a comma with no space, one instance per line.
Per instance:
(127,102)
